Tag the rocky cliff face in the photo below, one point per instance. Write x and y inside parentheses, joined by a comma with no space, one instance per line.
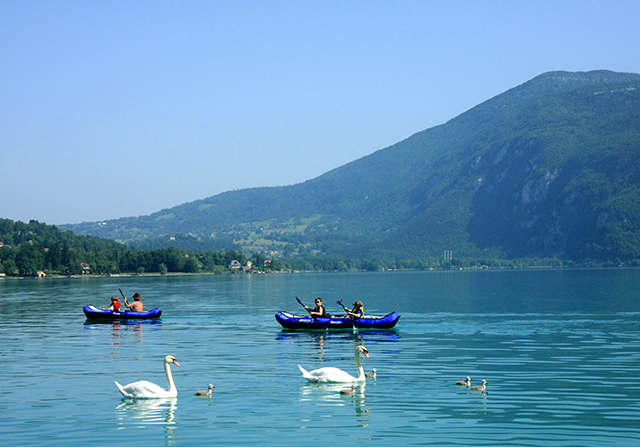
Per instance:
(552,177)
(515,203)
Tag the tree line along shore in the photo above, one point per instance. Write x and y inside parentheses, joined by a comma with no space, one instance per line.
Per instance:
(35,249)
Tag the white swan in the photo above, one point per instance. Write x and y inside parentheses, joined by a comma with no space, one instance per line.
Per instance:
(148,390)
(331,374)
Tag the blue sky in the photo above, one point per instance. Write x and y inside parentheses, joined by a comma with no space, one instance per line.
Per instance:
(116,109)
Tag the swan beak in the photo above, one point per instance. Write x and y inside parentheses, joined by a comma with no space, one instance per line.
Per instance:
(366,353)
(175,362)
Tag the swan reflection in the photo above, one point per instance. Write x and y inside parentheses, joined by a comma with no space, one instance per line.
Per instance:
(147,411)
(330,393)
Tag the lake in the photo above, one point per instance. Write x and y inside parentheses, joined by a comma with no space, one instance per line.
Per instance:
(560,350)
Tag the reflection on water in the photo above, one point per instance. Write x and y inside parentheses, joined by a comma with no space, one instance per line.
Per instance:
(321,338)
(328,391)
(478,401)
(135,329)
(357,334)
(147,411)
(89,324)
(329,394)
(319,346)
(121,328)
(143,412)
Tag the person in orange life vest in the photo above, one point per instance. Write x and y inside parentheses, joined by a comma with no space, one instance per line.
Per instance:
(115,304)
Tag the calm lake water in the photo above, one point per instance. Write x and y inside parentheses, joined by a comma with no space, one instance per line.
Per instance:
(558,348)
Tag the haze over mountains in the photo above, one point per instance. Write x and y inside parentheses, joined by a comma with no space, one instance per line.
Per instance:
(548,168)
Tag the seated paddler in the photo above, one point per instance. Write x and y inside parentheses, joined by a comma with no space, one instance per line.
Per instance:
(357,311)
(115,304)
(319,310)
(137,305)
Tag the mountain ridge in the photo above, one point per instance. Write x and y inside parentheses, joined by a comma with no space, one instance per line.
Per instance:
(489,179)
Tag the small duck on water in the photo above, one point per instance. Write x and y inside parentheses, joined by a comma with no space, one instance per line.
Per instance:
(349,390)
(480,387)
(371,375)
(206,392)
(466,382)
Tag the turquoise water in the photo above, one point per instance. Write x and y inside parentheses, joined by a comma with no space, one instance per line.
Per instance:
(558,348)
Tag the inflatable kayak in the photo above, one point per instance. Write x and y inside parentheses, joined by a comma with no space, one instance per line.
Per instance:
(94,313)
(291,321)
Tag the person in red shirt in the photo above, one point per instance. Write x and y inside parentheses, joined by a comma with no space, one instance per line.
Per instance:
(115,304)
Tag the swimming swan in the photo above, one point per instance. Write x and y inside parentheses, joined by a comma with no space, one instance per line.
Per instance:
(331,374)
(464,382)
(480,387)
(148,390)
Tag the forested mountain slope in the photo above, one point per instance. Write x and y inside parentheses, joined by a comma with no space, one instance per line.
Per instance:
(34,248)
(549,168)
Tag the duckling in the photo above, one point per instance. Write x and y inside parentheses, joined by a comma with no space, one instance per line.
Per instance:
(480,387)
(349,390)
(206,392)
(371,375)
(464,382)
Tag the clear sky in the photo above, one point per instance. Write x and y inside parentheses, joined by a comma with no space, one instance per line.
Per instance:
(116,109)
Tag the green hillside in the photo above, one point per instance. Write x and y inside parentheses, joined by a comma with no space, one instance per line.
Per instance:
(546,169)
(34,249)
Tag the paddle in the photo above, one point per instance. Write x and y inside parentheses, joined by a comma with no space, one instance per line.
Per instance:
(340,302)
(312,316)
(302,304)
(123,297)
(353,320)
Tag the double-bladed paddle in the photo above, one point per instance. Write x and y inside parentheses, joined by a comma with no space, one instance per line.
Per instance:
(302,304)
(340,302)
(353,320)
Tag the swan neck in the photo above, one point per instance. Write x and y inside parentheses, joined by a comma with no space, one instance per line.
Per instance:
(361,375)
(167,372)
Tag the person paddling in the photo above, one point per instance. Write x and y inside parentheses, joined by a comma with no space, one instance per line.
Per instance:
(137,305)
(357,311)
(319,310)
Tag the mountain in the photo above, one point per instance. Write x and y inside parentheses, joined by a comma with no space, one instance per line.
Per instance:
(548,168)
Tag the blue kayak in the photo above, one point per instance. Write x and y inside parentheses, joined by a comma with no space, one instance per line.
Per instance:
(291,321)
(94,313)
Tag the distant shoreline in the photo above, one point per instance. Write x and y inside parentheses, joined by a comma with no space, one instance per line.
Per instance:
(257,272)
(153,274)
